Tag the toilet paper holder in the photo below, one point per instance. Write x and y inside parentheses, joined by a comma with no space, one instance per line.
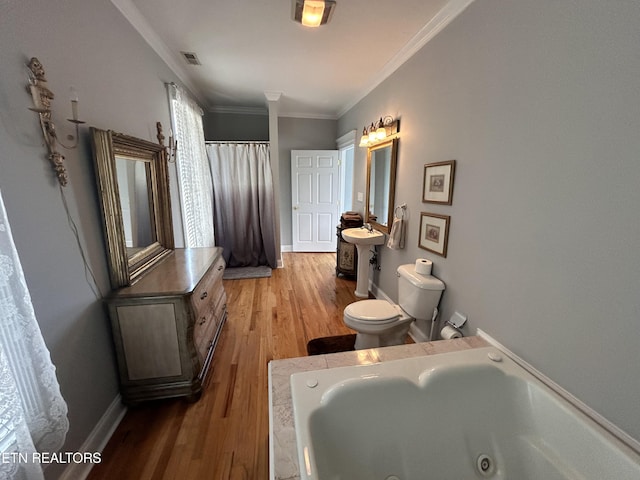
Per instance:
(457,320)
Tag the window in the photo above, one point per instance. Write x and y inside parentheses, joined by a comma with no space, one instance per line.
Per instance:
(194,175)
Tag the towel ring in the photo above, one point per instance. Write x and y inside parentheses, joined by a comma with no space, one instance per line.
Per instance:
(402,208)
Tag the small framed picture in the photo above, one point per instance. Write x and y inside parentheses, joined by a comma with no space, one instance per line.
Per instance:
(434,232)
(438,182)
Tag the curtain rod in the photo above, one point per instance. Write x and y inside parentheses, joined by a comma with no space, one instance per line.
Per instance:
(237,143)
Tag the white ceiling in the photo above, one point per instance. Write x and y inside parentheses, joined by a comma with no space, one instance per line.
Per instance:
(249,47)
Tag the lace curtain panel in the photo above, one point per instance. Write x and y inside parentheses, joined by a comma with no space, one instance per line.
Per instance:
(33,414)
(243,203)
(194,176)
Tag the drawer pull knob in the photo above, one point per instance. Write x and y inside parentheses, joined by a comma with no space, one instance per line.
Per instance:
(203,296)
(220,267)
(204,319)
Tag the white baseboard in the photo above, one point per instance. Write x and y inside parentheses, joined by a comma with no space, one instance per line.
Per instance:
(283,248)
(97,439)
(379,293)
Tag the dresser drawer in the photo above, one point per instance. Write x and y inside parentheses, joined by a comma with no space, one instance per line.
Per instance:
(207,287)
(203,332)
(207,319)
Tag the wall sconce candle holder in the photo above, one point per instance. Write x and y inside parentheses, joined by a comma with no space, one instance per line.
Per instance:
(170,150)
(42,99)
(384,129)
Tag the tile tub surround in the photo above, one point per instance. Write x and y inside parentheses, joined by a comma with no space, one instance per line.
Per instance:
(282,436)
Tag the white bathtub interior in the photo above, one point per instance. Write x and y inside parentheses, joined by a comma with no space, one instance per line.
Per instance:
(455,416)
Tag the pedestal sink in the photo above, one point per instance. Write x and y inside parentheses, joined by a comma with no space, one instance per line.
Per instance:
(363,238)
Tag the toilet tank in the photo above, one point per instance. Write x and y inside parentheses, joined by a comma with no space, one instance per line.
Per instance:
(418,295)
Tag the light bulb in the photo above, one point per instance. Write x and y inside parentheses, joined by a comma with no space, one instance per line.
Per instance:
(364,139)
(372,133)
(312,13)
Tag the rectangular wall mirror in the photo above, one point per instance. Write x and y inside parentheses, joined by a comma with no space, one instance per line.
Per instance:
(133,184)
(381,184)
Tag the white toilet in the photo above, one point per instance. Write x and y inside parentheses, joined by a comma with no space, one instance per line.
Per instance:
(380,323)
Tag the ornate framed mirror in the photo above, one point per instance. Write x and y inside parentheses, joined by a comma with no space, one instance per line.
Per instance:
(133,185)
(381,184)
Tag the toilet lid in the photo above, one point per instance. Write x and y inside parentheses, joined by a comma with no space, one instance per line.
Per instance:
(372,311)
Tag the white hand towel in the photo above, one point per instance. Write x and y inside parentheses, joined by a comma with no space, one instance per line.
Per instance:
(396,237)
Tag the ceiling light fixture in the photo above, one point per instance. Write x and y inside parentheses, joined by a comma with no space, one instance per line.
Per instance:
(313,13)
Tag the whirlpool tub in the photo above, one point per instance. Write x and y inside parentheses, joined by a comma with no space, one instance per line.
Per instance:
(473,414)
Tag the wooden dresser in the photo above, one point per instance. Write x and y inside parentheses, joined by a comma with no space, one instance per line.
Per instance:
(166,326)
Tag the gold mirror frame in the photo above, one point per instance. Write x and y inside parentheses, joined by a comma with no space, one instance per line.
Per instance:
(125,269)
(393,144)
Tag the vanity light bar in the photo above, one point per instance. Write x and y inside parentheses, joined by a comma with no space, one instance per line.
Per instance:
(381,130)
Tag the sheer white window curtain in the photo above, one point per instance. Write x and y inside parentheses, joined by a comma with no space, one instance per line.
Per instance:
(33,414)
(194,176)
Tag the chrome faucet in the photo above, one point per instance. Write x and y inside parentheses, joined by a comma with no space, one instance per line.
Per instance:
(368,227)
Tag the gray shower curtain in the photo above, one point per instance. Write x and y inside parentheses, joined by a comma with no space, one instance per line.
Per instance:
(243,203)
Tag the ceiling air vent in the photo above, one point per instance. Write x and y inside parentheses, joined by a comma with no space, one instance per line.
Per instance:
(191,58)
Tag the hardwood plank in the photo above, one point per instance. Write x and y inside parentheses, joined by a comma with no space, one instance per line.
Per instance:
(224,436)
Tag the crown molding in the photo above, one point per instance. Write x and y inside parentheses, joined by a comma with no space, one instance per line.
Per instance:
(239,110)
(444,17)
(273,96)
(140,24)
(264,111)
(310,116)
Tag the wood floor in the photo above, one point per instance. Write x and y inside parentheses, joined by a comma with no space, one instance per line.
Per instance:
(225,434)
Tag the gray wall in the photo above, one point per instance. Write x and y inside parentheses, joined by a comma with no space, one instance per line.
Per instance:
(120,83)
(538,101)
(235,127)
(298,134)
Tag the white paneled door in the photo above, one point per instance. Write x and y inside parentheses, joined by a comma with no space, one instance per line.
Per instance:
(314,199)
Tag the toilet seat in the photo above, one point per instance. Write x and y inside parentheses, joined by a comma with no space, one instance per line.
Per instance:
(373,312)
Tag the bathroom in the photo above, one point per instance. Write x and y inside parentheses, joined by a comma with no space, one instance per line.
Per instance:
(535,101)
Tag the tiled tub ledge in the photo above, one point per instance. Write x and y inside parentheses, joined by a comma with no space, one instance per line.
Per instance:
(283,456)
